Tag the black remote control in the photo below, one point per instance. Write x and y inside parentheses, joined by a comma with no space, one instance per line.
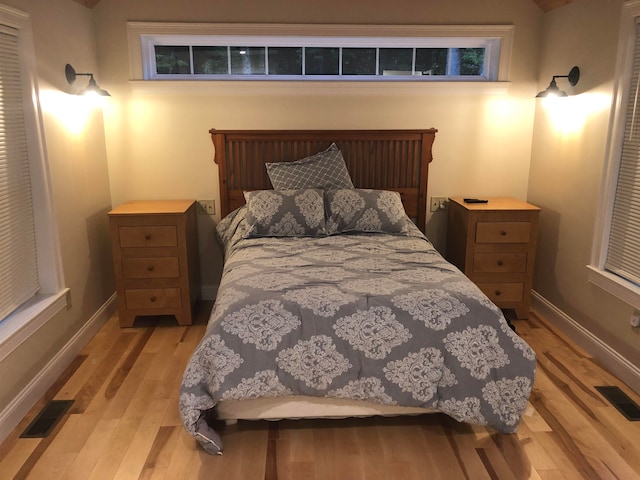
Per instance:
(475,200)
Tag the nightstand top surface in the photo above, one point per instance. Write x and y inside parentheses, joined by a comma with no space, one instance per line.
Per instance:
(147,207)
(495,203)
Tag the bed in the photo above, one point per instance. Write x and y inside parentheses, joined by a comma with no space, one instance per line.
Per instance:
(332,302)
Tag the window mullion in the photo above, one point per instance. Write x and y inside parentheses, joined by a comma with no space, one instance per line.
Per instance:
(413,62)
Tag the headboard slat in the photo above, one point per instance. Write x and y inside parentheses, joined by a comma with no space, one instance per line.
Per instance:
(379,159)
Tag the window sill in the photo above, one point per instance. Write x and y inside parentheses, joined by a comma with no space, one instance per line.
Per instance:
(624,290)
(20,325)
(309,87)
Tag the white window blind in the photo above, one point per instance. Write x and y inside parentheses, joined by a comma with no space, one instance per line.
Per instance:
(18,261)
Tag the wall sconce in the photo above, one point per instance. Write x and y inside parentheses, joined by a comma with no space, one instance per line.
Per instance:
(92,88)
(553,90)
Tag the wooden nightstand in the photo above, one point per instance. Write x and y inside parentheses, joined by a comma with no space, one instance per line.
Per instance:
(494,244)
(155,258)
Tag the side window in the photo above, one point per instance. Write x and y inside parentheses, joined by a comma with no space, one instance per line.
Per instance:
(615,264)
(30,262)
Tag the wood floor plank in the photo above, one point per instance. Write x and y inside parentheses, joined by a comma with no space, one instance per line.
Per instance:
(183,458)
(534,451)
(94,446)
(443,456)
(126,425)
(157,461)
(20,453)
(143,439)
(115,450)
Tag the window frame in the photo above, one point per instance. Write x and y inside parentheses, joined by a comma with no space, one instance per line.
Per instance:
(624,289)
(498,39)
(52,297)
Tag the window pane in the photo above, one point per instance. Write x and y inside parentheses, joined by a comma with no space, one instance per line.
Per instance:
(172,60)
(210,60)
(431,61)
(471,61)
(285,60)
(247,60)
(395,61)
(358,61)
(322,60)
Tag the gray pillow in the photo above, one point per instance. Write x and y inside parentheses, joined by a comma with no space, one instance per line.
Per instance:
(324,170)
(285,213)
(363,210)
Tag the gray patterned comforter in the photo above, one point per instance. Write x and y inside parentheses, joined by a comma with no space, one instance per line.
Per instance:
(374,317)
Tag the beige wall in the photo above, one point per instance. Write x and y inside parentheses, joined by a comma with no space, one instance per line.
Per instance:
(75,148)
(566,168)
(158,144)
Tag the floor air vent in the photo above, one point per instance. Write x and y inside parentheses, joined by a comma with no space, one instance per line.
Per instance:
(48,417)
(621,401)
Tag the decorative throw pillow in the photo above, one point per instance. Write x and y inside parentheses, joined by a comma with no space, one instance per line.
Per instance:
(285,213)
(361,210)
(324,170)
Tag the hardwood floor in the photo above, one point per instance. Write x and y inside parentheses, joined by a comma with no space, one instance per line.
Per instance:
(124,424)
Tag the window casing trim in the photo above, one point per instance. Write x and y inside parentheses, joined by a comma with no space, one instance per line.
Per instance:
(613,284)
(333,87)
(497,39)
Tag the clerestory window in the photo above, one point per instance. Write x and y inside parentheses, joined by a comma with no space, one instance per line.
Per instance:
(319,52)
(296,63)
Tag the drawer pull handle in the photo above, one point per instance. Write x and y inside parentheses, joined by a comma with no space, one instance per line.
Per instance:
(498,292)
(147,236)
(500,263)
(150,268)
(153,298)
(503,233)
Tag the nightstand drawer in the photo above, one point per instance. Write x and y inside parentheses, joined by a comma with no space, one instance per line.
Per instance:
(153,298)
(503,232)
(500,262)
(151,267)
(148,236)
(503,292)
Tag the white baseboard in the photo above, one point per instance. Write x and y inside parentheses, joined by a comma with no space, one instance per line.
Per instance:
(11,416)
(599,350)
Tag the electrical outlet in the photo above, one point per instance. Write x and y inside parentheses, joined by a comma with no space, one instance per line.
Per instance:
(634,321)
(438,203)
(206,207)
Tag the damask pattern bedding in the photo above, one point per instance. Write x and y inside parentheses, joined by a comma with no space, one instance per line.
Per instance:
(369,316)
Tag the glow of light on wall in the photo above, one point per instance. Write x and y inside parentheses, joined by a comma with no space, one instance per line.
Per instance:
(568,115)
(502,108)
(72,111)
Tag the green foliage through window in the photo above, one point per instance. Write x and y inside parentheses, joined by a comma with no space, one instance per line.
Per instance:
(228,61)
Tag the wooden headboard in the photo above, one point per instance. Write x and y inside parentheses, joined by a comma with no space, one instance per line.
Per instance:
(378,159)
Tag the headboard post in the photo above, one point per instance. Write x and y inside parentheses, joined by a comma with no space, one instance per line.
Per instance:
(426,157)
(220,157)
(395,160)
